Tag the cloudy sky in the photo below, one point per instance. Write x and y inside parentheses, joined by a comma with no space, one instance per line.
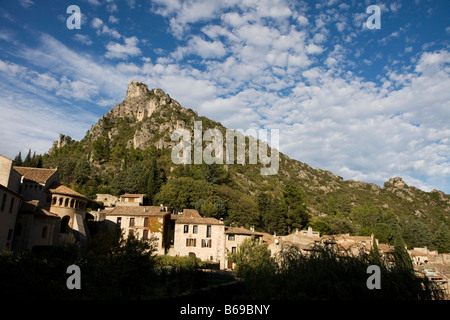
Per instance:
(367,104)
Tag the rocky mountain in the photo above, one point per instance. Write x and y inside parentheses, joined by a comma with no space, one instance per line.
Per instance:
(138,130)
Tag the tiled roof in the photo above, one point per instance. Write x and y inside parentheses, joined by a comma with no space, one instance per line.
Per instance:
(129,195)
(38,175)
(191,216)
(136,211)
(33,207)
(239,230)
(60,189)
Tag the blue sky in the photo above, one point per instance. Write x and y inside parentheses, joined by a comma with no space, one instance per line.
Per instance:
(366,104)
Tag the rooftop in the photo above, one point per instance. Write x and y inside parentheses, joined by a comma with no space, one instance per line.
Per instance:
(60,189)
(136,211)
(38,175)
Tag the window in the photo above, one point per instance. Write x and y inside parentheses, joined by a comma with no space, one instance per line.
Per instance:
(186,228)
(66,203)
(44,232)
(119,221)
(195,229)
(131,232)
(145,235)
(131,222)
(206,243)
(208,231)
(146,222)
(231,237)
(11,205)
(191,242)
(3,201)
(233,249)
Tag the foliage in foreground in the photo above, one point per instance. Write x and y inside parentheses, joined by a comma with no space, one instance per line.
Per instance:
(324,275)
(114,268)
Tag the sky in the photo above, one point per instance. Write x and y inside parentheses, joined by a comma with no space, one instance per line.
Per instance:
(364,103)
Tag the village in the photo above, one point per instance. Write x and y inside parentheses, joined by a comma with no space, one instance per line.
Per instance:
(36,211)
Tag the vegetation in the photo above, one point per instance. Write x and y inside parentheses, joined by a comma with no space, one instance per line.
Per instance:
(114,268)
(325,275)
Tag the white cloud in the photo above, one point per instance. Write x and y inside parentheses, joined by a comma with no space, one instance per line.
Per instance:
(119,51)
(26,3)
(84,39)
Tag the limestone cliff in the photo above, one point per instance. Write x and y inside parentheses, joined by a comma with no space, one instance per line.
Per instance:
(151,113)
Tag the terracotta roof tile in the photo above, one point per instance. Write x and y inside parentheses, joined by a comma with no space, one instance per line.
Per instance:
(33,207)
(136,211)
(38,175)
(60,189)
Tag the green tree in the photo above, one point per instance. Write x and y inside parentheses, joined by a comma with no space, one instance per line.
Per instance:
(156,178)
(18,160)
(441,239)
(401,257)
(184,192)
(294,207)
(383,232)
(101,149)
(82,171)
(374,254)
(252,260)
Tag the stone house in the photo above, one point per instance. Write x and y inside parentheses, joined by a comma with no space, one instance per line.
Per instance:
(234,236)
(143,222)
(193,235)
(10,202)
(43,212)
(131,200)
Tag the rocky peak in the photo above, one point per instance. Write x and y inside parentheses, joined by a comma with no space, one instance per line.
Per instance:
(136,90)
(396,182)
(61,142)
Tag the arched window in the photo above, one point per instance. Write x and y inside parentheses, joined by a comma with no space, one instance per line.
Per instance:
(72,202)
(60,202)
(53,201)
(64,225)
(66,203)
(44,232)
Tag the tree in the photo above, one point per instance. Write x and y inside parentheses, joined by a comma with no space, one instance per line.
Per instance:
(156,178)
(294,207)
(383,232)
(401,257)
(82,171)
(441,239)
(252,260)
(271,214)
(27,161)
(374,254)
(181,193)
(18,160)
(101,149)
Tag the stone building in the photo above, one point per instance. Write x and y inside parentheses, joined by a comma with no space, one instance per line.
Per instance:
(143,222)
(193,235)
(10,202)
(43,212)
(234,236)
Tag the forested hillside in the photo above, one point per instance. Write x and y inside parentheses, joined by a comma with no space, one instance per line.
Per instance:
(129,151)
